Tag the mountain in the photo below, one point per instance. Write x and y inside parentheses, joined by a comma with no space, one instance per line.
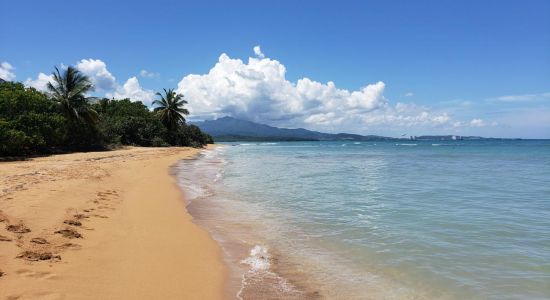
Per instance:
(231,129)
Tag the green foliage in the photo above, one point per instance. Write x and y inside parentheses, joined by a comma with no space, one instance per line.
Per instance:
(195,137)
(32,122)
(170,109)
(129,123)
(68,91)
(28,123)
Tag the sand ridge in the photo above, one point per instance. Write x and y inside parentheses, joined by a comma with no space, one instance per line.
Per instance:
(102,225)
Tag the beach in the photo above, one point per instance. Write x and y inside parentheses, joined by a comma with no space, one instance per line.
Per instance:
(103,225)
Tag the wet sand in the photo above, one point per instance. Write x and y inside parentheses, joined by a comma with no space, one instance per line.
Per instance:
(103,225)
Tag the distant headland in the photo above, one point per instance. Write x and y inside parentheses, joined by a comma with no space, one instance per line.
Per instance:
(229,129)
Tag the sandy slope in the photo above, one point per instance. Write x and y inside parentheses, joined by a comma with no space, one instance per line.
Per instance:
(138,241)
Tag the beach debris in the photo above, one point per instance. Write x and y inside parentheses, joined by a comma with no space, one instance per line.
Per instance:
(19,228)
(5,239)
(36,256)
(72,222)
(38,240)
(69,233)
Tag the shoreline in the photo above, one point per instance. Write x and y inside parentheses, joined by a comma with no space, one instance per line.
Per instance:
(257,269)
(138,239)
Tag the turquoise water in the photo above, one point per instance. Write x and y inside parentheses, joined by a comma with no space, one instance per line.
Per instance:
(380,220)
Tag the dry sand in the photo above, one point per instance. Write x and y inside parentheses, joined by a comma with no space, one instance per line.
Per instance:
(137,239)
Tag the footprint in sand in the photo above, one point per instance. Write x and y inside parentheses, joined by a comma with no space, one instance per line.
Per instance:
(73,222)
(5,239)
(69,233)
(19,228)
(3,217)
(36,256)
(100,216)
(80,216)
(105,207)
(36,274)
(69,246)
(38,240)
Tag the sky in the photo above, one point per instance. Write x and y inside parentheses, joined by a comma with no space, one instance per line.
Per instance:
(369,67)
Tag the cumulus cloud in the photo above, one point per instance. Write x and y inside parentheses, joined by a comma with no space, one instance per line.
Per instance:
(409,94)
(477,123)
(103,81)
(132,89)
(147,74)
(40,83)
(7,71)
(258,90)
(258,52)
(96,69)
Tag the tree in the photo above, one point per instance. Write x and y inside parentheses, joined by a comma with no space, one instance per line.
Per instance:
(129,123)
(28,124)
(170,109)
(68,91)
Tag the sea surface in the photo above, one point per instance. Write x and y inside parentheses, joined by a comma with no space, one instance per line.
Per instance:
(377,220)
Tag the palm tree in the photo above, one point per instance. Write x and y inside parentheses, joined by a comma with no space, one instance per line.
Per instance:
(170,108)
(68,91)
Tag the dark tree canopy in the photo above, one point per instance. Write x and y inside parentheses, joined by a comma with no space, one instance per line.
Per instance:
(64,119)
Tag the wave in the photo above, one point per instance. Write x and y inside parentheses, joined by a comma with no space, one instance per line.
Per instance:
(259,278)
(258,259)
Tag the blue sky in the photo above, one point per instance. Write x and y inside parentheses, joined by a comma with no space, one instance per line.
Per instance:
(457,67)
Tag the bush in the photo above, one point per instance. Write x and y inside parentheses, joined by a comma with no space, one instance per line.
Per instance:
(129,123)
(29,122)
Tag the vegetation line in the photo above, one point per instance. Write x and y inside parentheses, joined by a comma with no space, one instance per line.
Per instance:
(65,119)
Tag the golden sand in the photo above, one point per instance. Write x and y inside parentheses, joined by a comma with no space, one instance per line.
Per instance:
(103,225)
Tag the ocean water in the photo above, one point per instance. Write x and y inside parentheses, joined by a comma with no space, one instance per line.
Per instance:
(377,220)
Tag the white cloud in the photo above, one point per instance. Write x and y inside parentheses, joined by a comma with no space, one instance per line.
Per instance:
(477,123)
(40,83)
(132,89)
(409,94)
(7,71)
(258,52)
(147,74)
(258,90)
(522,98)
(96,69)
(103,80)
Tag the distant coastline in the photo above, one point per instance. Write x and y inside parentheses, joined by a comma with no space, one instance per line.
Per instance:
(228,129)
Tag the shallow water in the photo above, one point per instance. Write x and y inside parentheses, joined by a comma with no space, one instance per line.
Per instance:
(378,220)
